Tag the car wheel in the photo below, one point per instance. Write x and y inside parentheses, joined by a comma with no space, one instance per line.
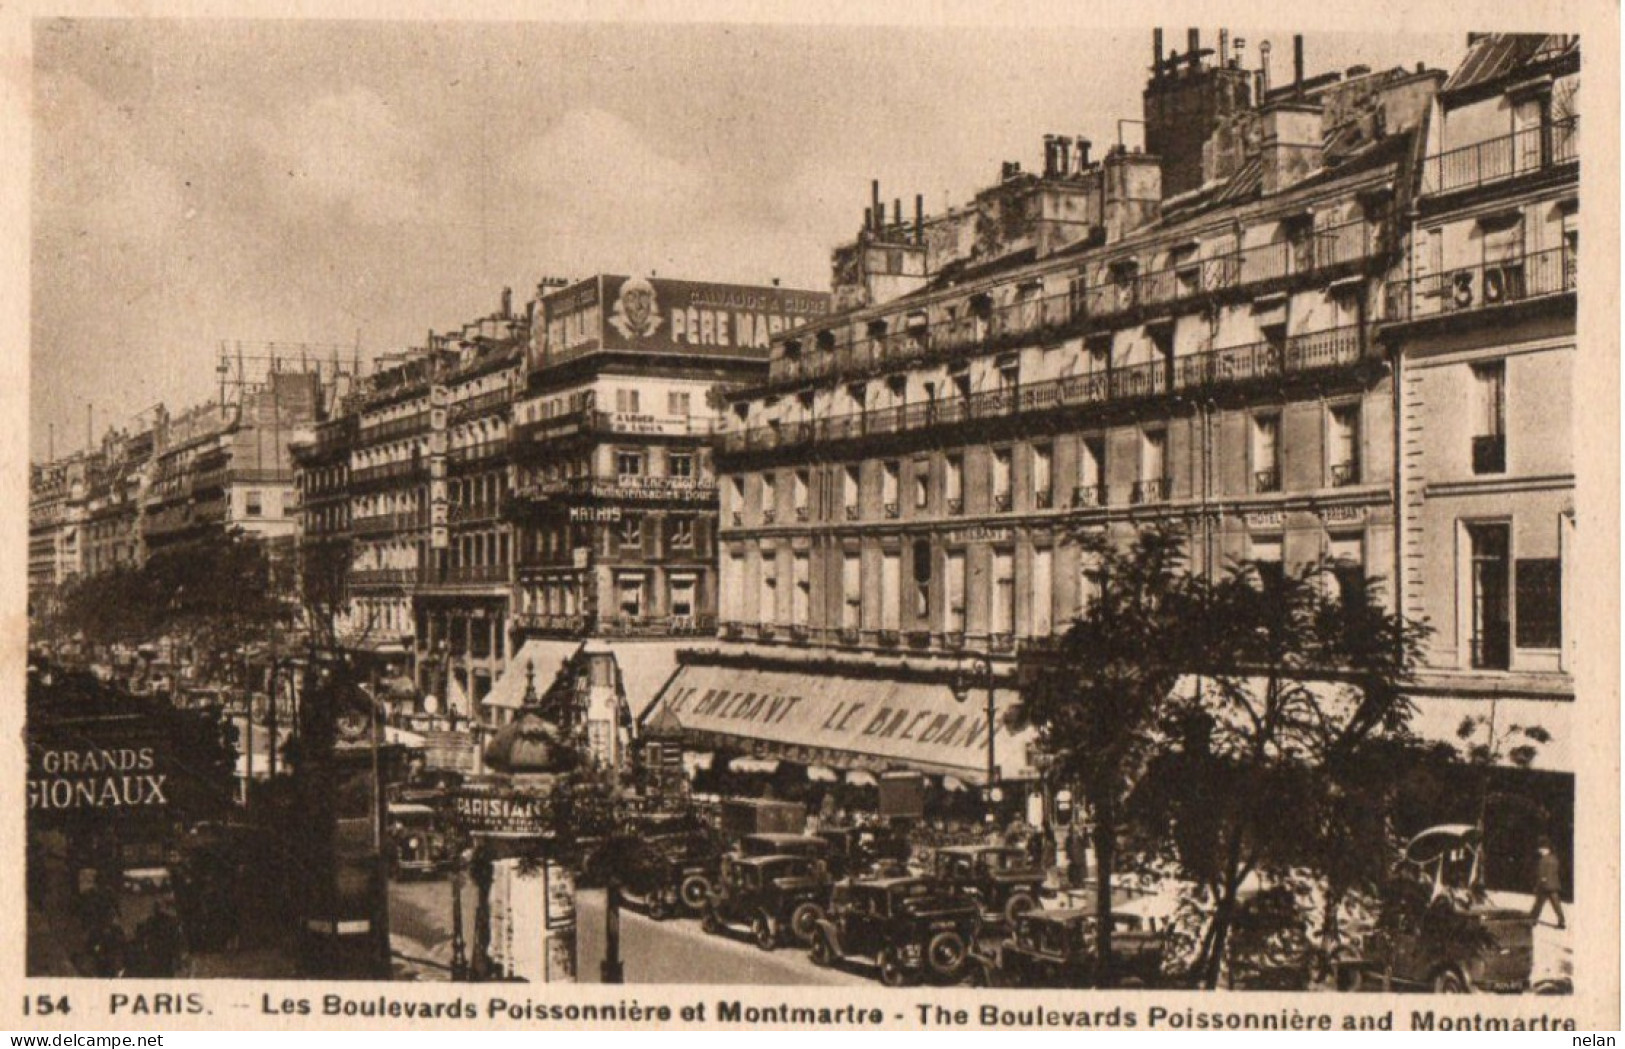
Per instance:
(892,973)
(1449,982)
(978,976)
(710,922)
(822,954)
(761,930)
(804,921)
(946,953)
(694,892)
(1018,904)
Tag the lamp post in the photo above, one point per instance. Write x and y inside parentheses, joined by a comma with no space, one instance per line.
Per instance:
(963,682)
(459,946)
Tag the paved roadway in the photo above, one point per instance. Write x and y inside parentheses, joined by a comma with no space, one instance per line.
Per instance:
(674,951)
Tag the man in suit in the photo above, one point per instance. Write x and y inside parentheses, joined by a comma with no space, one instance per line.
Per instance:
(1548,882)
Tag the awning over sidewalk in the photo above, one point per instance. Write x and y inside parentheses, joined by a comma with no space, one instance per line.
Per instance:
(843,722)
(547,657)
(645,668)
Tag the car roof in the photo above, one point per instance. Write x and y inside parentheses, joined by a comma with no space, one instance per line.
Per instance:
(401,809)
(775,859)
(782,837)
(977,850)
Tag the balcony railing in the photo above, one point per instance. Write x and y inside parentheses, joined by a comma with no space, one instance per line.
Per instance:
(383,524)
(373,576)
(1271,359)
(1088,495)
(406,469)
(551,622)
(453,575)
(1482,285)
(1267,480)
(1043,499)
(903,341)
(1343,474)
(1151,490)
(1520,153)
(405,426)
(893,510)
(477,453)
(472,513)
(485,403)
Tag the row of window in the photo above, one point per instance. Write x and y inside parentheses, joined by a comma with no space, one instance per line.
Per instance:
(999,596)
(1342,467)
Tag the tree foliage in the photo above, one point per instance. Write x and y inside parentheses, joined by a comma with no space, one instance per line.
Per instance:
(1097,705)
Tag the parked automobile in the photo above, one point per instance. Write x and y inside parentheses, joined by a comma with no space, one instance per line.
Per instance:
(1447,937)
(1002,878)
(783,845)
(865,850)
(418,844)
(1058,949)
(778,899)
(667,872)
(908,928)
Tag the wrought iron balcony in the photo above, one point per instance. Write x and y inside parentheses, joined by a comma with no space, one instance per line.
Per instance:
(1213,369)
(1002,502)
(1343,474)
(1151,490)
(1482,286)
(1268,480)
(1085,496)
(956,507)
(1043,499)
(1551,145)
(893,510)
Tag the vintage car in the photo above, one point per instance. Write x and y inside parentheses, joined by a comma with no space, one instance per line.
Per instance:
(779,899)
(417,842)
(1447,938)
(783,845)
(663,873)
(1057,949)
(1000,877)
(908,928)
(865,850)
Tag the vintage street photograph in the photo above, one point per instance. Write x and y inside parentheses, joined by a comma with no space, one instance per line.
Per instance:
(807,504)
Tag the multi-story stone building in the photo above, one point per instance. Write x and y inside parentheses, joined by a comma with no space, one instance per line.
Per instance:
(1480,318)
(461,604)
(227,465)
(1076,349)
(115,494)
(56,516)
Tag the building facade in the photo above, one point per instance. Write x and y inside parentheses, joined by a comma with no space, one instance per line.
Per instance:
(57,494)
(1080,350)
(615,501)
(1480,317)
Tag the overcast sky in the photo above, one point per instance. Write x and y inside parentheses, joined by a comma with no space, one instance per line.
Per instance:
(198,181)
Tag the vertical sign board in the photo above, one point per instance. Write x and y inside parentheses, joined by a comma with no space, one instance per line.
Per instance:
(439,403)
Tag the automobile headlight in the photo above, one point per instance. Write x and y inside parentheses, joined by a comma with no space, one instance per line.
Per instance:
(412,843)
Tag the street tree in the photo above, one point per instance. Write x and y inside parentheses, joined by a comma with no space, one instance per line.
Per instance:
(1096,703)
(1299,706)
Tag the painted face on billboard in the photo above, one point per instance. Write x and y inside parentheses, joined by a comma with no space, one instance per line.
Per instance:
(637,310)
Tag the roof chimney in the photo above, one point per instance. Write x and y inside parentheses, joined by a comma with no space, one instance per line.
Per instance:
(507,303)
(1263,70)
(1083,154)
(1049,156)
(919,218)
(1156,54)
(877,210)
(1297,62)
(1193,42)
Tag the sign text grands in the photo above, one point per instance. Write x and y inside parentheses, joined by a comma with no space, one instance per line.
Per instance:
(96,778)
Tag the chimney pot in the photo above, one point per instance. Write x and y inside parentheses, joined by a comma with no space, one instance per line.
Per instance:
(1156,54)
(1297,61)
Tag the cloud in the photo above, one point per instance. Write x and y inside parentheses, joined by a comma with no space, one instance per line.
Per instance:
(350,152)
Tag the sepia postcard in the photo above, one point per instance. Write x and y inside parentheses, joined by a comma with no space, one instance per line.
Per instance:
(722,516)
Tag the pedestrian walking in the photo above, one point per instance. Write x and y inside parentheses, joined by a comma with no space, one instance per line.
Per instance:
(1548,882)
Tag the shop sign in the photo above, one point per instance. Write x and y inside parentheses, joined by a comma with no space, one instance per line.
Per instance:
(1263,519)
(595,514)
(501,814)
(1343,514)
(90,777)
(980,534)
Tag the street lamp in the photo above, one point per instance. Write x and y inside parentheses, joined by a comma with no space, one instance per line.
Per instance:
(965,679)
